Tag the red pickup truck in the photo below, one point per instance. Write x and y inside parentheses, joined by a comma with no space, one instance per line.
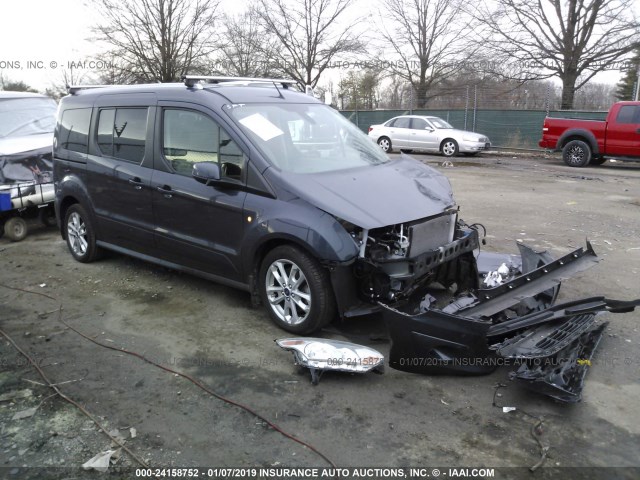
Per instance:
(592,142)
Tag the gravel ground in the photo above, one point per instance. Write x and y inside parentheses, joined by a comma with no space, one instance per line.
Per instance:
(211,333)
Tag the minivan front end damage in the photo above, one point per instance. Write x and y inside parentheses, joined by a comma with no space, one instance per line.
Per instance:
(453,309)
(396,261)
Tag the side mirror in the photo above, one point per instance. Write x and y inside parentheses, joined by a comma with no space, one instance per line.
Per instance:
(428,129)
(206,172)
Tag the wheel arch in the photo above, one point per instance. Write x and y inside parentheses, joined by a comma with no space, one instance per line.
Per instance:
(267,244)
(579,134)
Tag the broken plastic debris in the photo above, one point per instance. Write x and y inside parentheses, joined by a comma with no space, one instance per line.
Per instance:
(503,270)
(493,279)
(426,302)
(497,277)
(42,285)
(100,462)
(133,432)
(115,433)
(508,409)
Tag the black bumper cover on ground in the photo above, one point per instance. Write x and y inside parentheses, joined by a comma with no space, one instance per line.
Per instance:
(551,349)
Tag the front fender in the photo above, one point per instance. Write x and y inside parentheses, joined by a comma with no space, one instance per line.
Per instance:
(300,223)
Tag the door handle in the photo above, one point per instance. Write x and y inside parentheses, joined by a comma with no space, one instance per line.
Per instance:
(638,130)
(166,190)
(136,182)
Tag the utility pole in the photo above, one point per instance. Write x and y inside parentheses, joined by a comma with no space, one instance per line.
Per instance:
(637,95)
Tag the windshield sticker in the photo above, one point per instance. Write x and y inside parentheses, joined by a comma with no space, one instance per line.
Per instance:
(261,126)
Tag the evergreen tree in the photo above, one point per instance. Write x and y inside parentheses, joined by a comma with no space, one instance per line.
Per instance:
(626,86)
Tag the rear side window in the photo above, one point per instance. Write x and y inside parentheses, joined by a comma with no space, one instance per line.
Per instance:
(628,114)
(122,133)
(74,130)
(190,137)
(401,122)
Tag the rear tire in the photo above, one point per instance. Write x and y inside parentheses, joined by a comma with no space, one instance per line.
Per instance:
(296,290)
(576,153)
(16,229)
(81,235)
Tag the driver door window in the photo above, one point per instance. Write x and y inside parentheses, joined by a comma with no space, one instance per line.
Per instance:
(191,137)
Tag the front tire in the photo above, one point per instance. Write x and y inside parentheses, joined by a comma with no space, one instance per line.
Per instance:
(81,235)
(449,147)
(576,153)
(385,144)
(296,290)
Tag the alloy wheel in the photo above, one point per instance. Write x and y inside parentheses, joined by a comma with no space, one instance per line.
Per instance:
(288,292)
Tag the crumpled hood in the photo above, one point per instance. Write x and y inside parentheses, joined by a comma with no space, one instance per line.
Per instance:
(377,196)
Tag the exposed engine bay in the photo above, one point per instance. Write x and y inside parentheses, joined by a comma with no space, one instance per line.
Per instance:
(397,261)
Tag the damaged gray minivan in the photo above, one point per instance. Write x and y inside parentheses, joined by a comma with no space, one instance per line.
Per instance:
(252,184)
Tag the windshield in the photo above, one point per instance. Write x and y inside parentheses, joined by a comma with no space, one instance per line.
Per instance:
(20,117)
(306,138)
(439,123)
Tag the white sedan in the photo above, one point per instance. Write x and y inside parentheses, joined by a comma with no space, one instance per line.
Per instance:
(417,132)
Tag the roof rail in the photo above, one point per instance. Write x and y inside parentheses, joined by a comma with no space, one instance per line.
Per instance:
(192,80)
(73,89)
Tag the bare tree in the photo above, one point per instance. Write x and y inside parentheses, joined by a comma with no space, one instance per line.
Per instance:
(359,90)
(396,93)
(571,39)
(66,78)
(429,39)
(158,40)
(595,96)
(308,36)
(246,48)
(116,71)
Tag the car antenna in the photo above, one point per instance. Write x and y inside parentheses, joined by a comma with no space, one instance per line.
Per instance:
(275,84)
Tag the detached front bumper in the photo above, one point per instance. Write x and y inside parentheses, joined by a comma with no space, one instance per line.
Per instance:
(551,346)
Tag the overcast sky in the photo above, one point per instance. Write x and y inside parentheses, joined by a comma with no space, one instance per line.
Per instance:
(38,39)
(43,31)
